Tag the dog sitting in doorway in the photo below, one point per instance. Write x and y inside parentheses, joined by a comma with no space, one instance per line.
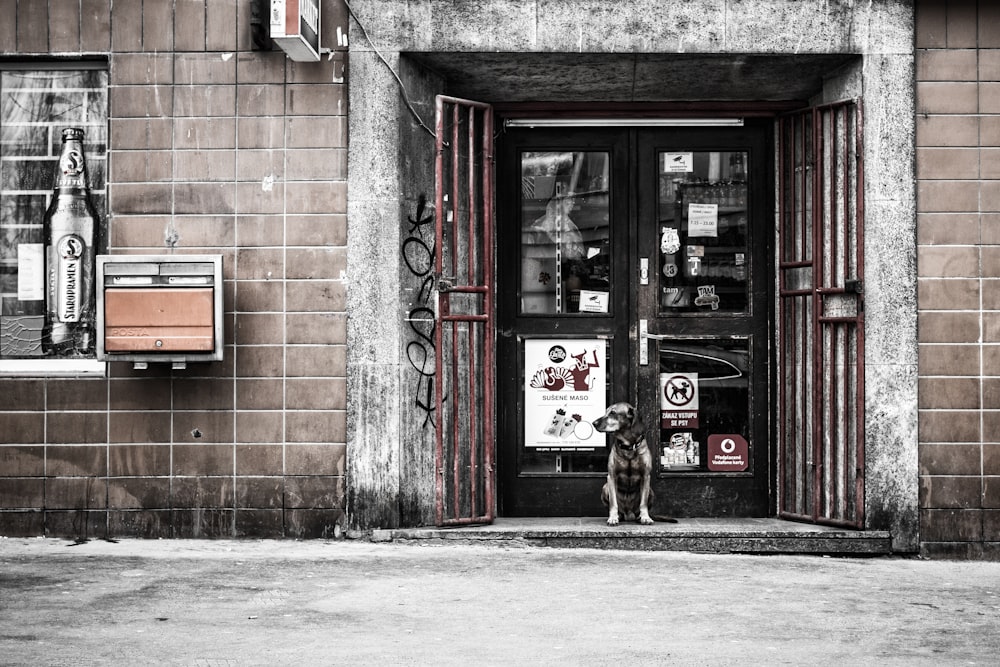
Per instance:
(628,491)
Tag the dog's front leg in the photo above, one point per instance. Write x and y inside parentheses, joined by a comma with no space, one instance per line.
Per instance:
(611,492)
(644,491)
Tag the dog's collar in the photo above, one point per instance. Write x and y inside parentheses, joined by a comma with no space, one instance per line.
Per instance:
(634,445)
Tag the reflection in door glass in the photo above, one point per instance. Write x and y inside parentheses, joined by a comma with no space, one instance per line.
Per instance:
(702,220)
(565,253)
(704,395)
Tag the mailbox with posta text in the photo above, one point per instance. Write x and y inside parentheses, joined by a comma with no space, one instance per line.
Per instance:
(159,308)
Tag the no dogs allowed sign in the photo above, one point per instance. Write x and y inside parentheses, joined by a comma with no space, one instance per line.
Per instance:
(678,400)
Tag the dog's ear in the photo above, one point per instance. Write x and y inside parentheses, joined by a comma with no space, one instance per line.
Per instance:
(635,421)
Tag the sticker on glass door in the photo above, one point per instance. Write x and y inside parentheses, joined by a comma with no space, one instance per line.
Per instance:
(565,391)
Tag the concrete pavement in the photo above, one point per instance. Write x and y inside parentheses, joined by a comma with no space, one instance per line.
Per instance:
(359,602)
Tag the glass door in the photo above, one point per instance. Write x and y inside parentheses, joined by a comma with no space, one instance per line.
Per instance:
(631,267)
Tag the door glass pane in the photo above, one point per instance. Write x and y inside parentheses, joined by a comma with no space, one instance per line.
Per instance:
(702,221)
(565,225)
(704,406)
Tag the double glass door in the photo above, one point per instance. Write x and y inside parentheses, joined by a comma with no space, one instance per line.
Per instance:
(633,266)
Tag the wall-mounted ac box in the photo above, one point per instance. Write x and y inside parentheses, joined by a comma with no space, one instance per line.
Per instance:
(295,28)
(159,308)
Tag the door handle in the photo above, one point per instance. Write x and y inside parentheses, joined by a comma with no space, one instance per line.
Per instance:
(643,342)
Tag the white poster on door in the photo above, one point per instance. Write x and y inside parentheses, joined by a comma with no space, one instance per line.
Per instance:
(565,390)
(703,220)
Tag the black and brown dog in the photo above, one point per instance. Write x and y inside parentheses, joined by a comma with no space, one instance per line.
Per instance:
(628,491)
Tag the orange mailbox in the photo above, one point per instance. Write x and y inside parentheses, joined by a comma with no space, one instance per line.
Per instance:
(159,308)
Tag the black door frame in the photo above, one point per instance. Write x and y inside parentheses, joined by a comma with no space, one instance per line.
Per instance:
(536,495)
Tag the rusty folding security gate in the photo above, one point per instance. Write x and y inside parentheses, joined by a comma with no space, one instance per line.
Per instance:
(821,315)
(464,333)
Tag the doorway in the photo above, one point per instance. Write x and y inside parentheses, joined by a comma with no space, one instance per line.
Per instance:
(635,264)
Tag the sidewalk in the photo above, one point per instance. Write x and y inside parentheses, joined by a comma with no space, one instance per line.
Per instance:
(359,602)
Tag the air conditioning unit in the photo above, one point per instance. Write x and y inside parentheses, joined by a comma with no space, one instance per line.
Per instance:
(295,28)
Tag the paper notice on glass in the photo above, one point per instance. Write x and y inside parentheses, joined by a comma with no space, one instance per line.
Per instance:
(30,272)
(678,163)
(703,220)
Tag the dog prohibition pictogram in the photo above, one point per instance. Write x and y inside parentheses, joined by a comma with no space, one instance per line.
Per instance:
(681,391)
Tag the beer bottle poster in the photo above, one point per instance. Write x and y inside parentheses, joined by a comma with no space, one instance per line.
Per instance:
(565,390)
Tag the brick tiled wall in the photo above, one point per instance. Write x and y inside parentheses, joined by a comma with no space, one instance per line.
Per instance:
(958,203)
(214,148)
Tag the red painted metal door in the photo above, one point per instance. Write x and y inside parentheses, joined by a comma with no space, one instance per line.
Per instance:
(464,333)
(821,315)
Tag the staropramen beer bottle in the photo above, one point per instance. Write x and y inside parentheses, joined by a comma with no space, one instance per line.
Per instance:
(70,228)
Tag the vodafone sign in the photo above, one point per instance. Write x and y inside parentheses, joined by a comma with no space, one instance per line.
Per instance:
(728,453)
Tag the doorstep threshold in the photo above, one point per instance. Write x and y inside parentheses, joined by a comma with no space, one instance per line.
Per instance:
(749,535)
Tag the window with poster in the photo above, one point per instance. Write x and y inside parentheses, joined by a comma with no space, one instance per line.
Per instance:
(53,136)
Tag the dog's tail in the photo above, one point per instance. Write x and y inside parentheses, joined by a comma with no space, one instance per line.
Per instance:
(662,518)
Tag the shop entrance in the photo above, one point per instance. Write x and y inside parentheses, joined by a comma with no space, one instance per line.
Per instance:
(634,264)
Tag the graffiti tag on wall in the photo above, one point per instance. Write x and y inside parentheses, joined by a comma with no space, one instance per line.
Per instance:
(418,256)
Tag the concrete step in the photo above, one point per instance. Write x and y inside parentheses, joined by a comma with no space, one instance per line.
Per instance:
(770,536)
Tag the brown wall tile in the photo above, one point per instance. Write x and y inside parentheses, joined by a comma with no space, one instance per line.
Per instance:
(316,296)
(259,329)
(202,523)
(8,33)
(991,459)
(204,133)
(141,493)
(261,523)
(259,427)
(141,133)
(947,163)
(946,65)
(989,19)
(222,13)
(261,133)
(948,327)
(313,492)
(32,27)
(139,523)
(205,165)
(947,196)
(189,25)
(949,426)
(957,262)
(203,394)
(949,360)
(204,101)
(19,395)
(21,523)
(947,97)
(64,27)
(142,69)
(317,230)
(944,294)
(203,460)
(947,491)
(947,130)
(263,394)
(317,132)
(200,427)
(211,492)
(22,461)
(259,230)
(962,24)
(259,459)
(312,361)
(141,166)
(260,296)
(95,25)
(931,26)
(260,492)
(139,427)
(191,69)
(21,492)
(23,428)
(937,525)
(76,427)
(950,459)
(316,328)
(315,459)
(138,460)
(960,393)
(313,523)
(260,361)
(989,97)
(991,359)
(316,394)
(76,460)
(260,100)
(76,493)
